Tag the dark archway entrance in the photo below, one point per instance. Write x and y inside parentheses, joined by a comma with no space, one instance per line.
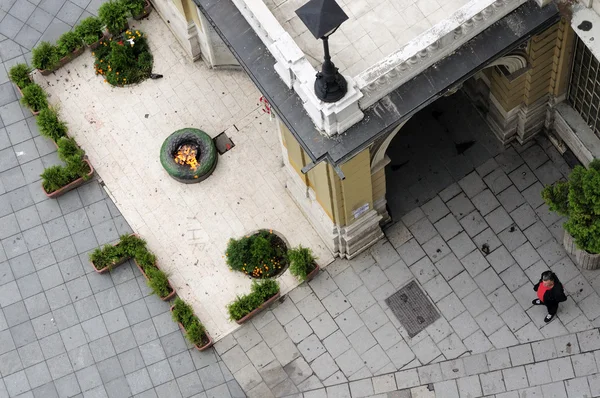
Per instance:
(438,146)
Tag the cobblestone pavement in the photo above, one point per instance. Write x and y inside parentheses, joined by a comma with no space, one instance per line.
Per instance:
(476,249)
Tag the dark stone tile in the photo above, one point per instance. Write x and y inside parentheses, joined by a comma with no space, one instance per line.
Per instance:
(39,20)
(14,246)
(87,308)
(15,313)
(65,317)
(44,145)
(77,221)
(71,268)
(37,305)
(42,257)
(26,151)
(52,346)
(58,297)
(29,285)
(23,334)
(7,94)
(20,198)
(50,277)
(98,212)
(55,29)
(69,13)
(35,237)
(90,193)
(22,9)
(79,288)
(8,159)
(10,113)
(28,218)
(106,232)
(70,202)
(9,27)
(56,229)
(28,37)
(64,248)
(12,179)
(85,240)
(48,210)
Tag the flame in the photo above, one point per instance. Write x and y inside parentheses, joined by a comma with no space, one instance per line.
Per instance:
(187,155)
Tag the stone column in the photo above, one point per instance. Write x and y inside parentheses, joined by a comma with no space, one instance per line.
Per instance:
(182,20)
(341,211)
(521,100)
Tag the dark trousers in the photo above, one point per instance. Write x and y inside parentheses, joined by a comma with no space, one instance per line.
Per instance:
(552,308)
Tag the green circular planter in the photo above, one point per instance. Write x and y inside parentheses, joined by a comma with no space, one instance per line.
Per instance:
(206,157)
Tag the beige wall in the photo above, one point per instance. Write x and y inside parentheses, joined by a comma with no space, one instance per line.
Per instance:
(338,198)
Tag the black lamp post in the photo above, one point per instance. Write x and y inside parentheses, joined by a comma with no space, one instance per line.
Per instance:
(322,18)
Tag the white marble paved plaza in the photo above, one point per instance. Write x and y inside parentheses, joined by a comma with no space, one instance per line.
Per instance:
(187,226)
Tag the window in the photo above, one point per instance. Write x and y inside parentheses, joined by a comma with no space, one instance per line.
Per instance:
(584,89)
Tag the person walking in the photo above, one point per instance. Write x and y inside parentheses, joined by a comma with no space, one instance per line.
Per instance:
(550,292)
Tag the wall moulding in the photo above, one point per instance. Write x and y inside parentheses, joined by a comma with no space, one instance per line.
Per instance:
(436,43)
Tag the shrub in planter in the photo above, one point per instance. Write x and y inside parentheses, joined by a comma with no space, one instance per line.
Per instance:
(579,200)
(195,332)
(45,56)
(34,97)
(19,75)
(114,16)
(302,262)
(107,257)
(68,43)
(90,30)
(246,306)
(56,177)
(261,255)
(124,61)
(50,124)
(135,7)
(158,281)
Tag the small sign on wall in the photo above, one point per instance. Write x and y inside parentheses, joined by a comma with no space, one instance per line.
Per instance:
(360,211)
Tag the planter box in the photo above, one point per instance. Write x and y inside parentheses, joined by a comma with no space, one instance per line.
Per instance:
(110,267)
(147,11)
(46,72)
(312,273)
(258,310)
(109,35)
(72,56)
(584,259)
(95,44)
(166,298)
(34,113)
(78,182)
(199,348)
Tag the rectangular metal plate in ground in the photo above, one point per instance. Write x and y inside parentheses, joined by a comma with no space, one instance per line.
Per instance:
(412,308)
(223,143)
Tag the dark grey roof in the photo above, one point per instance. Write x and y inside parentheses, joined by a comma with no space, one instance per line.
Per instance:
(496,41)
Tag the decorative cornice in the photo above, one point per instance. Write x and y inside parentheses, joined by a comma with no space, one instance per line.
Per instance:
(433,45)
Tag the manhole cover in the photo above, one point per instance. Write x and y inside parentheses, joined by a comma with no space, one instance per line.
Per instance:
(412,308)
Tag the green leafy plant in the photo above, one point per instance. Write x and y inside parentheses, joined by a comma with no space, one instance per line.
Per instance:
(259,293)
(184,314)
(68,42)
(145,259)
(124,61)
(579,200)
(67,147)
(302,262)
(132,245)
(108,256)
(45,56)
(90,30)
(34,97)
(54,178)
(19,75)
(114,15)
(75,166)
(50,124)
(261,255)
(135,7)
(158,281)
